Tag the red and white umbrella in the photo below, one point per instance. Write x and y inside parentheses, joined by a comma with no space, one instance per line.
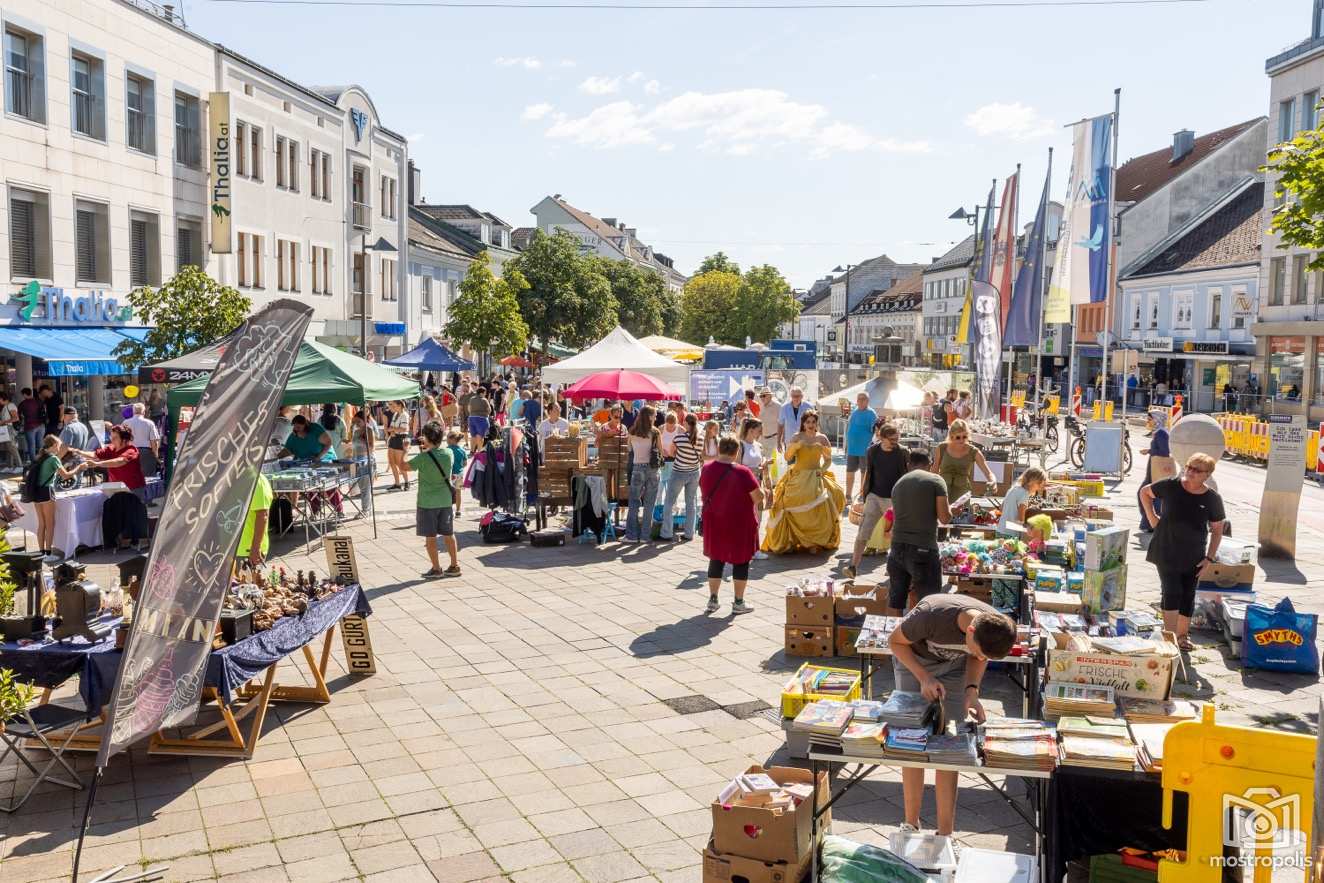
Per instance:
(622,385)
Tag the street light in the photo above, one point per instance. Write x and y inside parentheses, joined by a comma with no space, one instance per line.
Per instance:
(846,270)
(971,218)
(380,245)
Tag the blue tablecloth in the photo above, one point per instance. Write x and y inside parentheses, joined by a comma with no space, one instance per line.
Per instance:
(49,665)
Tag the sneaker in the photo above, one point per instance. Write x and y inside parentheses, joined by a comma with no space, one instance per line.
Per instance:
(907,828)
(738,607)
(431,573)
(850,570)
(761,555)
(453,570)
(713,604)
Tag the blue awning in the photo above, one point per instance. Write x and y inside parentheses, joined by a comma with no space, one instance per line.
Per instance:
(71,352)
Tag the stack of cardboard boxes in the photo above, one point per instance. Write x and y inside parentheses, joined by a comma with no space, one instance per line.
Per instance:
(761,827)
(824,619)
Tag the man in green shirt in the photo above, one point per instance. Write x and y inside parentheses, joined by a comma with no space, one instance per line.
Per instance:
(255,524)
(434,515)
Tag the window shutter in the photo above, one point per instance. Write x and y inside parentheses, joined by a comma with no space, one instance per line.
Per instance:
(86,232)
(22,239)
(138,253)
(184,247)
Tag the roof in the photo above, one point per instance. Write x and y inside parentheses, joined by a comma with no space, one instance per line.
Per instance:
(820,307)
(597,225)
(912,284)
(813,298)
(882,261)
(461,212)
(1229,237)
(1140,177)
(424,236)
(891,301)
(959,256)
(520,237)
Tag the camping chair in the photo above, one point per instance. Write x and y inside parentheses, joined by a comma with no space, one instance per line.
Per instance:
(37,723)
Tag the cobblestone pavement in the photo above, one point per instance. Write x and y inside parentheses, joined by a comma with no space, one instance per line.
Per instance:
(518,726)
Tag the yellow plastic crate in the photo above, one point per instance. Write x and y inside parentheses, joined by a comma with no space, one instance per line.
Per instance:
(1087,487)
(794,703)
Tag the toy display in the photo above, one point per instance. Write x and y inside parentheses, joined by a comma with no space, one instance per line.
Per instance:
(967,557)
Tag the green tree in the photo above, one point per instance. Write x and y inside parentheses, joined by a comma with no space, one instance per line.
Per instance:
(718,263)
(568,299)
(766,301)
(1299,218)
(641,296)
(671,315)
(708,308)
(190,310)
(486,315)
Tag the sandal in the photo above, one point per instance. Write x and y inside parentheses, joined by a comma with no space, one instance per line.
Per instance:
(1184,643)
(453,570)
(432,573)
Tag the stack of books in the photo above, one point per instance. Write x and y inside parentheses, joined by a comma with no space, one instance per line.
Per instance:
(824,721)
(1094,727)
(957,749)
(869,711)
(906,743)
(1016,744)
(904,710)
(1149,744)
(876,631)
(1063,698)
(864,739)
(1092,751)
(825,682)
(1159,710)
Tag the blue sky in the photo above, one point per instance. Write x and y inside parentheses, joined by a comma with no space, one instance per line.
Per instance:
(804,139)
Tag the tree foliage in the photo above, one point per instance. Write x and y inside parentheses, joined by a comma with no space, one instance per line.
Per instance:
(643,303)
(730,307)
(188,311)
(718,263)
(486,315)
(568,300)
(1299,218)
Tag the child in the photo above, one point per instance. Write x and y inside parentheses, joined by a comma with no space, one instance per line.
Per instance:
(1037,531)
(458,458)
(1017,500)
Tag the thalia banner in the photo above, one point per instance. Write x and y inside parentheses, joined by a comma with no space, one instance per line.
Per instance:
(161,675)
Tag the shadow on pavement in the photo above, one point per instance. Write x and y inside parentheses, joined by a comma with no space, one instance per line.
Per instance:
(687,634)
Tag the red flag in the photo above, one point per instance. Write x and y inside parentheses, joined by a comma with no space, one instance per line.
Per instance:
(1004,248)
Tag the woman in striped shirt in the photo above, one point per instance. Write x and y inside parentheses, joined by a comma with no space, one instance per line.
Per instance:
(687,452)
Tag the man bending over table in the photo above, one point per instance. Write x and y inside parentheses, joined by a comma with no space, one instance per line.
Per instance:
(940,650)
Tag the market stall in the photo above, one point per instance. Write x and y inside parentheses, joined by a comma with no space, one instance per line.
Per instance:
(619,349)
(430,355)
(78,515)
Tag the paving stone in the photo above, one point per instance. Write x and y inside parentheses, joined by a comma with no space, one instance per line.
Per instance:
(464,868)
(518,856)
(610,867)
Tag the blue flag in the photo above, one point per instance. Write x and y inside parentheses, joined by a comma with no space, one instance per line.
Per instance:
(1027,297)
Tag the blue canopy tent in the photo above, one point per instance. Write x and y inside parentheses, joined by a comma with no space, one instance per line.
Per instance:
(70,351)
(430,356)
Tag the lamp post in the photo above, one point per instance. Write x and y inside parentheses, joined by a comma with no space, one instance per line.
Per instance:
(970,218)
(380,245)
(846,330)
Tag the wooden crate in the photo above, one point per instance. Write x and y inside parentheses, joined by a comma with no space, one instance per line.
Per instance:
(614,452)
(567,452)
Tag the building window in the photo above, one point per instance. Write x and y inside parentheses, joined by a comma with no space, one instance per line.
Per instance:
(1137,306)
(1299,278)
(91,242)
(320,265)
(144,249)
(280,163)
(314,173)
(1153,312)
(1286,119)
(1287,359)
(29,234)
(452,292)
(188,244)
(287,265)
(1277,280)
(139,113)
(87,88)
(425,293)
(359,276)
(250,261)
(1319,371)
(188,131)
(359,195)
(255,153)
(25,75)
(240,149)
(1310,110)
(388,198)
(326,177)
(1183,309)
(1215,308)
(388,280)
(293,148)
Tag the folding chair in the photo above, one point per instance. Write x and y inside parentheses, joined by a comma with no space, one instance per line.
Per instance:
(37,723)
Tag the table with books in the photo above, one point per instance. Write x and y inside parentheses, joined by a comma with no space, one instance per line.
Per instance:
(1024,665)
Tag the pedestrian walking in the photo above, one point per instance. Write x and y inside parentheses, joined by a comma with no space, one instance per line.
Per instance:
(397,442)
(645,466)
(1192,516)
(686,458)
(434,515)
(884,464)
(480,418)
(147,438)
(859,436)
(731,502)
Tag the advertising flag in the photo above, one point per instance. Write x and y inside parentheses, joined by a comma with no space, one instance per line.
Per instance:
(1021,327)
(1004,246)
(1080,273)
(220,151)
(986,325)
(161,675)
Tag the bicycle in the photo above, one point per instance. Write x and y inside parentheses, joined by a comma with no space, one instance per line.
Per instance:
(1076,451)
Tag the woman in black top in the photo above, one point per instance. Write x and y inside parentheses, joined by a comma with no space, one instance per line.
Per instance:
(1192,516)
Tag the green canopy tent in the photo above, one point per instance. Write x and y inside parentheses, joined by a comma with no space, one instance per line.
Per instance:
(321,374)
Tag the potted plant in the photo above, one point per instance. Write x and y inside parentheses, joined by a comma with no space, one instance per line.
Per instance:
(15,696)
(13,627)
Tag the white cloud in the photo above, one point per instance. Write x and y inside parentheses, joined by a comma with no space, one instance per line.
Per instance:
(1016,121)
(736,123)
(536,111)
(652,87)
(528,62)
(600,86)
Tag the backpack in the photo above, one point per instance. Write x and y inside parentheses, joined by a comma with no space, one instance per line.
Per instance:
(281,517)
(500,527)
(28,490)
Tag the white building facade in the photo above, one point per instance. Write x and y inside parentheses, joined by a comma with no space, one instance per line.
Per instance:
(606,237)
(945,283)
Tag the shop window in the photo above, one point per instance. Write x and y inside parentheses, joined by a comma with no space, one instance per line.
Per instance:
(1287,357)
(29,234)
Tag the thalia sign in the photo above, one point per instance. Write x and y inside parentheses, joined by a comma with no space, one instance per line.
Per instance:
(92,308)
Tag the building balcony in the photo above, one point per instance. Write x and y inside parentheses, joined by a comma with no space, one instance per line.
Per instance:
(362,216)
(1305,47)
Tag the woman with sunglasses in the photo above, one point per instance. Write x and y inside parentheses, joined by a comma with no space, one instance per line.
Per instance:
(1193,515)
(807,501)
(955,461)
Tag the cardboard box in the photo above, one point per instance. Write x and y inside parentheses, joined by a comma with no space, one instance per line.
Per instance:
(810,641)
(852,611)
(1058,602)
(1235,577)
(846,637)
(1143,677)
(719,868)
(817,611)
(769,835)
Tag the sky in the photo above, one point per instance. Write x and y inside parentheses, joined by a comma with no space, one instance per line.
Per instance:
(805,139)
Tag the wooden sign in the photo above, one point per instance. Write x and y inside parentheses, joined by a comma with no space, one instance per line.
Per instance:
(354,635)
(1282,485)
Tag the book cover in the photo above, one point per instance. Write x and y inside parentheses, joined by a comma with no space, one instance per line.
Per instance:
(1104,589)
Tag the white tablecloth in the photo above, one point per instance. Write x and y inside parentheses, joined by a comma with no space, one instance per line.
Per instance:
(77,519)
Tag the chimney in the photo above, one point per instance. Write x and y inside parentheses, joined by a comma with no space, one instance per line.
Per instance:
(1183,142)
(167,12)
(610,222)
(415,185)
(632,232)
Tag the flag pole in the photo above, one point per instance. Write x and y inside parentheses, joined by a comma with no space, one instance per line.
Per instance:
(1002,320)
(1043,275)
(1108,291)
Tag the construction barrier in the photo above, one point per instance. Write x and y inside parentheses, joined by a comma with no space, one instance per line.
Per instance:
(1052,404)
(1174,413)
(1247,436)
(1075,402)
(1102,411)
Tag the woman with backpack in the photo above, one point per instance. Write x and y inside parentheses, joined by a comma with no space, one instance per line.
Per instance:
(645,466)
(37,484)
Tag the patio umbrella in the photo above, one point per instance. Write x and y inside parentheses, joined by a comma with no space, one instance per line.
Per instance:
(516,362)
(620,384)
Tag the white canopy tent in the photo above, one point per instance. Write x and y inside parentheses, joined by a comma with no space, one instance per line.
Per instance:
(619,349)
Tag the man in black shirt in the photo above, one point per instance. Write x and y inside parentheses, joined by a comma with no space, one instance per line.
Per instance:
(884,463)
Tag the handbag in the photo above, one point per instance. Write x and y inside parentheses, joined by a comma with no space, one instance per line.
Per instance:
(729,470)
(655,459)
(1280,639)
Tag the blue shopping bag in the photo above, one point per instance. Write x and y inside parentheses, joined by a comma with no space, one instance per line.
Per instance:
(1280,639)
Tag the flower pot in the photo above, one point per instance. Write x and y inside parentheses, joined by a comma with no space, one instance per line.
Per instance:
(15,628)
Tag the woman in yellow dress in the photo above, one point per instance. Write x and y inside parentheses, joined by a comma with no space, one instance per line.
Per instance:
(807,502)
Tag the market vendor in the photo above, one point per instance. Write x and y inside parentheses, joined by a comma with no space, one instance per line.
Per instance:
(940,650)
(120,460)
(308,441)
(255,524)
